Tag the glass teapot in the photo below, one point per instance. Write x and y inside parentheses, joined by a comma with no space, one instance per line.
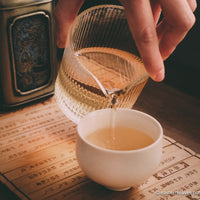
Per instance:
(101,66)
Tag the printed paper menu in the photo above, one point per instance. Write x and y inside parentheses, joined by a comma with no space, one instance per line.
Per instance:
(38,161)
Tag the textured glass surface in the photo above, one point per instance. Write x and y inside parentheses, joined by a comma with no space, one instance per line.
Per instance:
(101,67)
(30,36)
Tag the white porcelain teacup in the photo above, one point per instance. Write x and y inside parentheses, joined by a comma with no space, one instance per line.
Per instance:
(115,169)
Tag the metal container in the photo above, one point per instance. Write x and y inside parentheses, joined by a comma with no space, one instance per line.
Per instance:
(27,51)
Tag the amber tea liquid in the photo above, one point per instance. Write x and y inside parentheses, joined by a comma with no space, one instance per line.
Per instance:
(103,76)
(125,139)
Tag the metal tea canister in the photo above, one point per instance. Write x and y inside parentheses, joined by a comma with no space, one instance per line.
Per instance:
(27,51)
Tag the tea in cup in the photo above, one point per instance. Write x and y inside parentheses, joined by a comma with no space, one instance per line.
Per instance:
(121,158)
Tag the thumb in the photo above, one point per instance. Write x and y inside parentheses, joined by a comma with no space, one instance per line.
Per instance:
(64,14)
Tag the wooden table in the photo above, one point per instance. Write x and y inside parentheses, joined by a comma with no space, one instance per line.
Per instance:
(178,113)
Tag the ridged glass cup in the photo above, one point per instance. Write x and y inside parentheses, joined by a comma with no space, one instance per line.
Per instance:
(101,66)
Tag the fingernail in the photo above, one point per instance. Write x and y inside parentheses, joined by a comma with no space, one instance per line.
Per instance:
(160,75)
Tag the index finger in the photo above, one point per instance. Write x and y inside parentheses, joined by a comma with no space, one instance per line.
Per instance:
(142,26)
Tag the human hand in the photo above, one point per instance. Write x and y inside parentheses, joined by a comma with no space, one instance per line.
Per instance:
(155,41)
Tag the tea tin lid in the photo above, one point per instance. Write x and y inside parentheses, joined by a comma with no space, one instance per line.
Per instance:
(11,4)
